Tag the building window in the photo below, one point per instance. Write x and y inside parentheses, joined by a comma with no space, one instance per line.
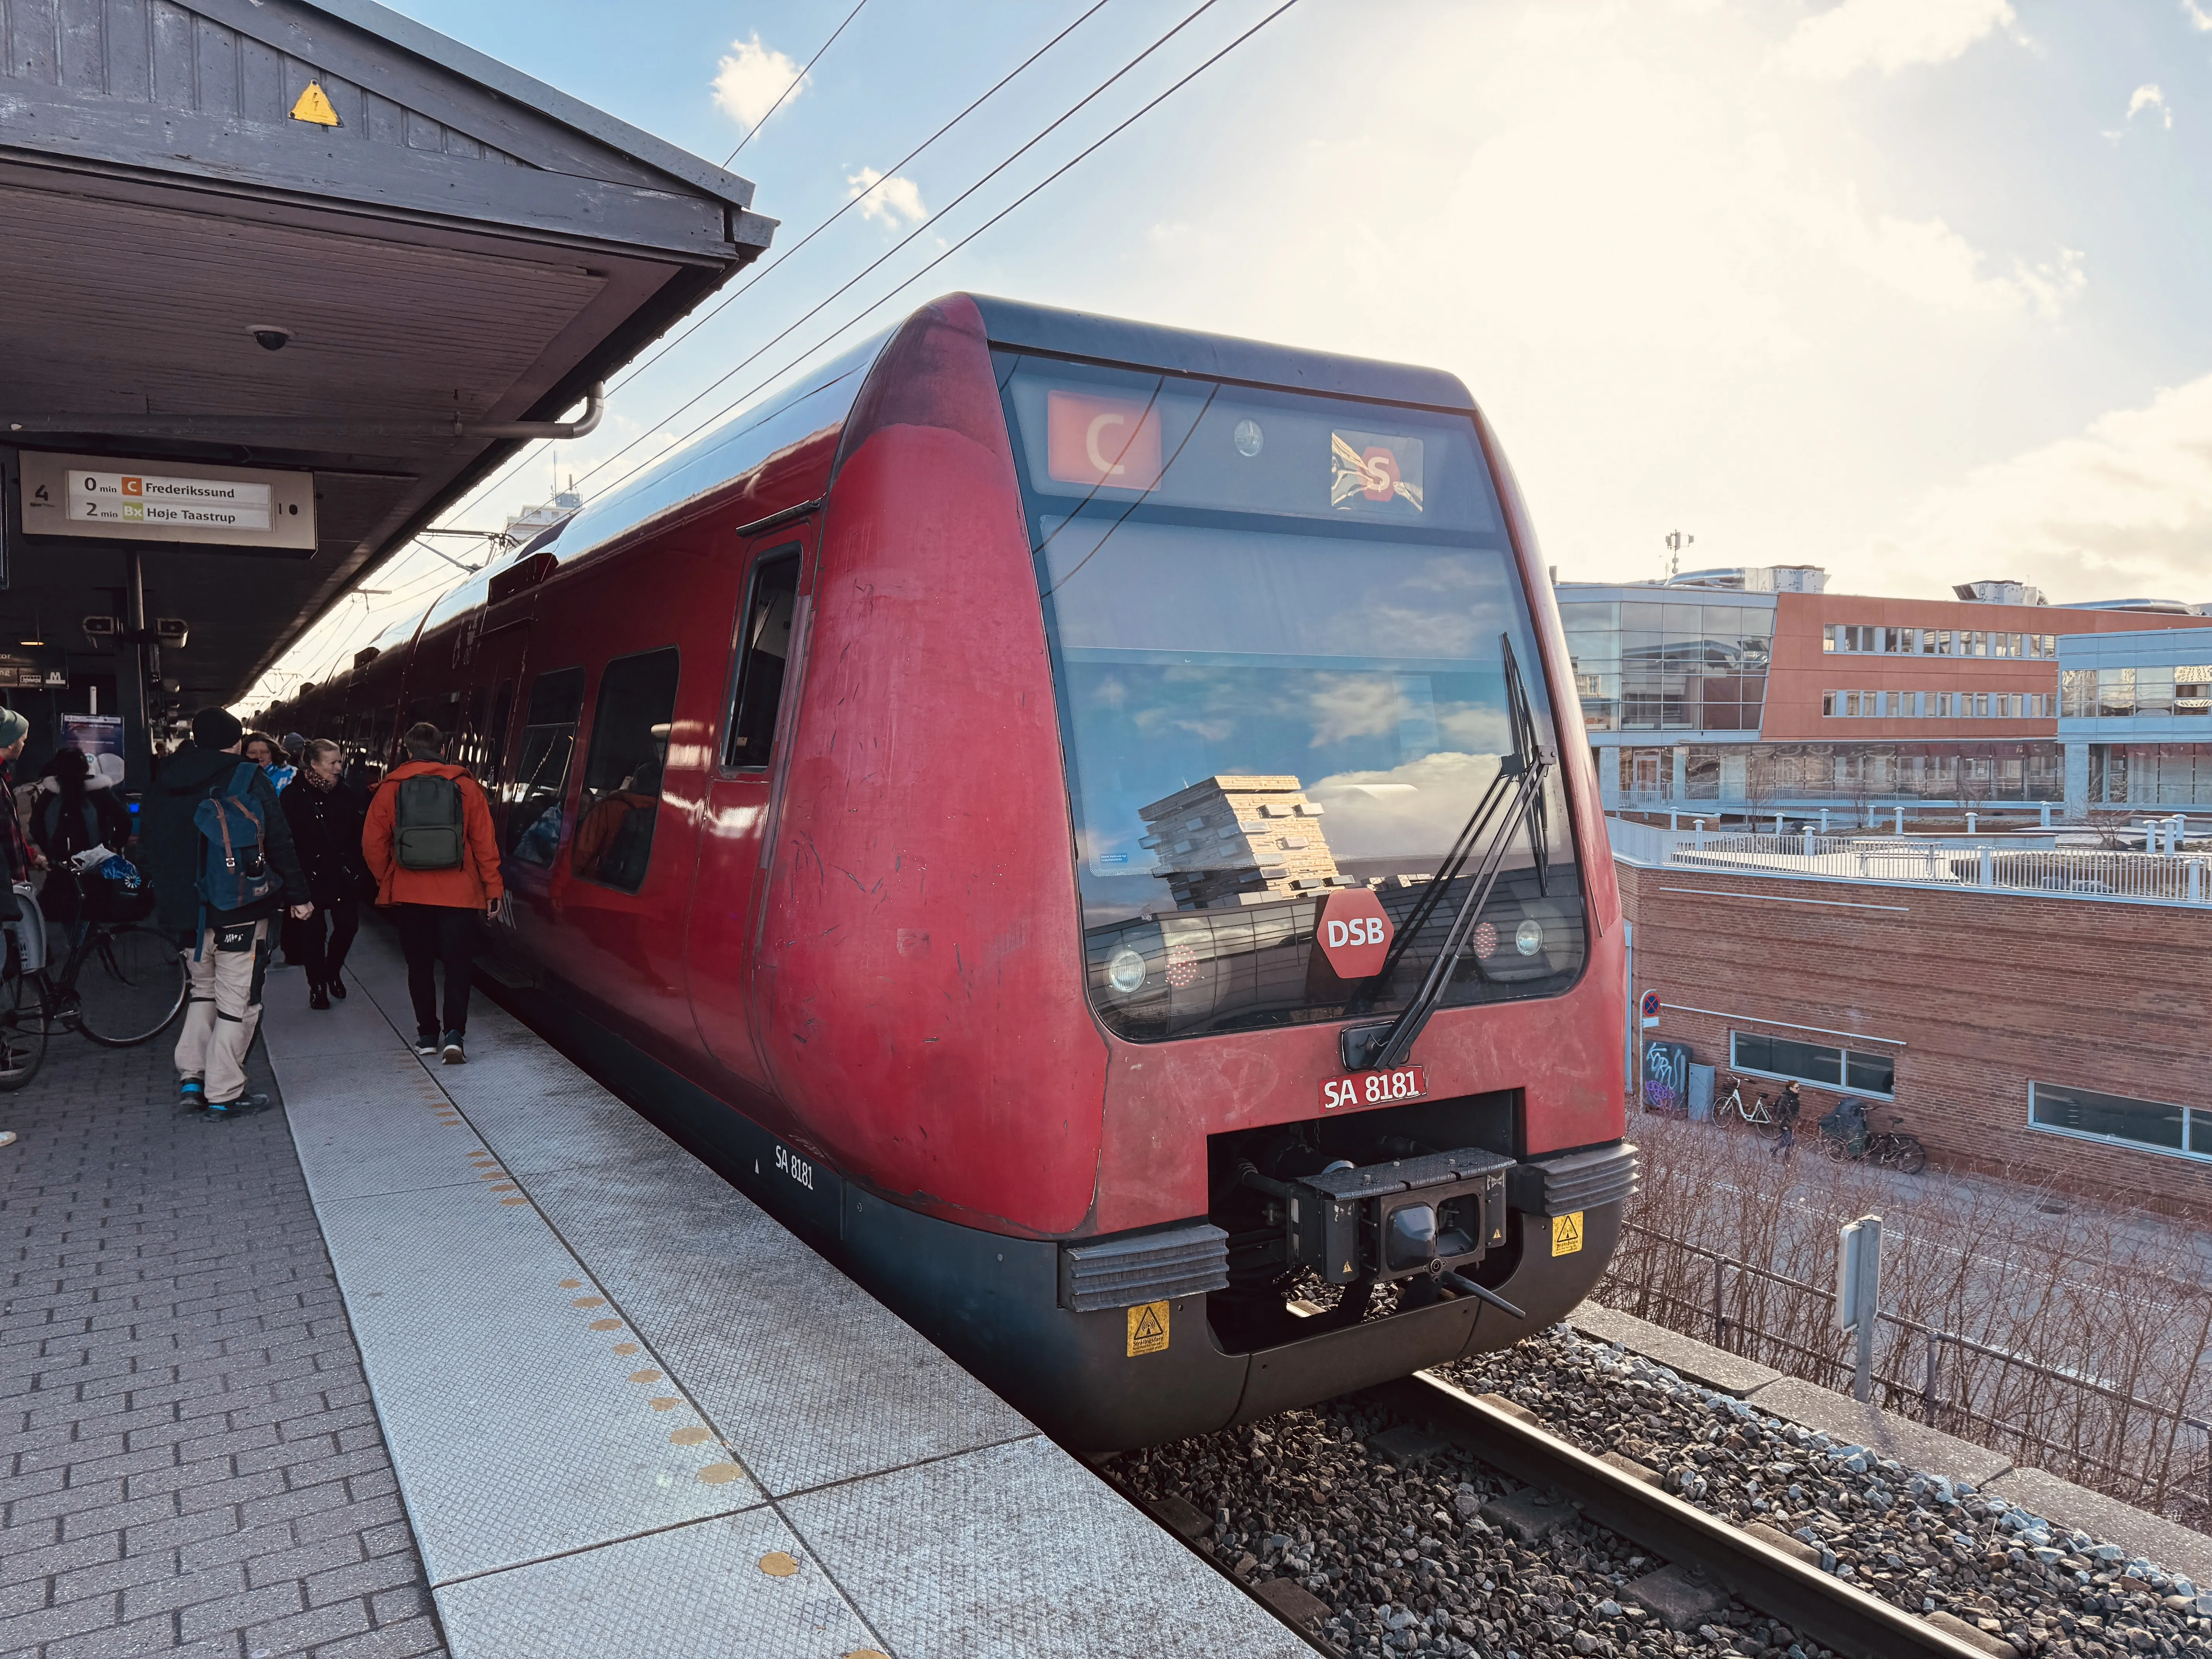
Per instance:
(2116,693)
(1814,1063)
(2078,690)
(2118,1118)
(2192,691)
(1828,703)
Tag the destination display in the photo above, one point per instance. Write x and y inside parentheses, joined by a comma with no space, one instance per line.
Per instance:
(114,498)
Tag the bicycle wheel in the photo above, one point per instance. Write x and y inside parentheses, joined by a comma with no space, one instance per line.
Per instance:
(1768,1127)
(130,985)
(1905,1152)
(23,1030)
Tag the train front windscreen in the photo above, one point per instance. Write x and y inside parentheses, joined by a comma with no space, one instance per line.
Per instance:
(1282,631)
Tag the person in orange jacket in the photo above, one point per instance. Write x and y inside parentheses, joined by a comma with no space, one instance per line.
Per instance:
(428,842)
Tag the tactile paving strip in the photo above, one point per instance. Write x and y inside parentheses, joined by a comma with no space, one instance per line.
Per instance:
(619,1601)
(1021,1550)
(811,1379)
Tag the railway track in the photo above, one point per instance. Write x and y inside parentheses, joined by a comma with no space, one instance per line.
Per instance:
(1707,1556)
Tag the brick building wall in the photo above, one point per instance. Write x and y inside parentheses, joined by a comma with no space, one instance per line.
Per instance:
(1984,991)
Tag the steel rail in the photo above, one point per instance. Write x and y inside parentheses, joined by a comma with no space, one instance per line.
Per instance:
(1811,1602)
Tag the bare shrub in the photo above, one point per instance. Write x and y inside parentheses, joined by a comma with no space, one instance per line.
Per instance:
(2075,1341)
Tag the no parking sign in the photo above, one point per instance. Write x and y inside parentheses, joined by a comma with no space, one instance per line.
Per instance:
(1650,1006)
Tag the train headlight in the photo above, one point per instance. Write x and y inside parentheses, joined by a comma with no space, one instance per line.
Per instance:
(1126,972)
(1248,438)
(1528,938)
(1412,1236)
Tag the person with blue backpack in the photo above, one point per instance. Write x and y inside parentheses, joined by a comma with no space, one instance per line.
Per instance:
(219,851)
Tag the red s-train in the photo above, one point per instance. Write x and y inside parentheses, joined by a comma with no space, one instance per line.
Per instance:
(968,797)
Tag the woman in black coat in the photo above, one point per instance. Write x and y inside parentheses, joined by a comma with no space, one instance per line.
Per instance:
(325,814)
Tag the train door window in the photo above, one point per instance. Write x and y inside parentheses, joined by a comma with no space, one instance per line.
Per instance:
(470,751)
(495,731)
(541,773)
(622,773)
(763,649)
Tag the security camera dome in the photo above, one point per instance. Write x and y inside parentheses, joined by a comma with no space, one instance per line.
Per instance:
(268,336)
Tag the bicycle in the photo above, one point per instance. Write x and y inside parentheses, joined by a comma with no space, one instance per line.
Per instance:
(134,990)
(1758,1114)
(1890,1149)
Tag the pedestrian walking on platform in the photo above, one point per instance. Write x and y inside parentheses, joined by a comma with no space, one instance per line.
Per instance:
(428,842)
(215,842)
(326,814)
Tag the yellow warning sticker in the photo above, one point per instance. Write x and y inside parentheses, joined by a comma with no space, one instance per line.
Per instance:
(314,105)
(1566,1233)
(1148,1329)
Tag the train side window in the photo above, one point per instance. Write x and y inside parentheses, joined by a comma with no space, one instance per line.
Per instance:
(622,774)
(541,773)
(495,734)
(763,646)
(470,751)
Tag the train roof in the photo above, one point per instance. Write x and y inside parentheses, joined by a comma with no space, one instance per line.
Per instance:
(1025,327)
(821,396)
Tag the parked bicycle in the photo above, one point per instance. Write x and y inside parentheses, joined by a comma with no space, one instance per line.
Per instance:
(1761,1114)
(120,985)
(1847,1137)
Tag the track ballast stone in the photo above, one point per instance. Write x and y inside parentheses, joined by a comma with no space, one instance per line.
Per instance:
(1388,1529)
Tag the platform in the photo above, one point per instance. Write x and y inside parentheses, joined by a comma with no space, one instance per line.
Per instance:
(630,1414)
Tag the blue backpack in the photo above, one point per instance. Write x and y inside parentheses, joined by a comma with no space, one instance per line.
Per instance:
(233,874)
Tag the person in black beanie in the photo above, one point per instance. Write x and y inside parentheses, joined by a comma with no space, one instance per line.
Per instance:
(228,948)
(325,814)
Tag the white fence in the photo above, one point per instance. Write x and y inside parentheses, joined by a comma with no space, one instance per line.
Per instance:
(2153,877)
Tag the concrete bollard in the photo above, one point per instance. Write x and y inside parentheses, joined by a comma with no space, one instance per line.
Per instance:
(1697,828)
(1900,820)
(1970,824)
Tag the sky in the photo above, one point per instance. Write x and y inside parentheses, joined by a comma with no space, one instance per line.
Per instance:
(1912,289)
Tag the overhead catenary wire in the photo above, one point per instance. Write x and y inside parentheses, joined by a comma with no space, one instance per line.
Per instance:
(899,246)
(694,324)
(1057,172)
(1026,196)
(797,81)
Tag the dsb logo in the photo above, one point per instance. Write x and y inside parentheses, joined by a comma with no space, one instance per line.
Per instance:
(1354,932)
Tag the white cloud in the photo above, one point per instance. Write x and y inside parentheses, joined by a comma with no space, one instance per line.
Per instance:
(1889,35)
(891,201)
(2124,509)
(1927,261)
(2148,97)
(748,81)
(2197,16)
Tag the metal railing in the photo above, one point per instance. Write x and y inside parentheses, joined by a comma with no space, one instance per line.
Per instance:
(2066,873)
(2077,1427)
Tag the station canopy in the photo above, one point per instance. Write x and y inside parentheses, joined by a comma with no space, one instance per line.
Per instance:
(431,242)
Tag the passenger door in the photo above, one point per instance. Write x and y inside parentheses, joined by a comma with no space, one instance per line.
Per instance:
(767,650)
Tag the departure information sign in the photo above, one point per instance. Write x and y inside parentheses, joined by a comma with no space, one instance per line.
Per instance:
(199,503)
(117,499)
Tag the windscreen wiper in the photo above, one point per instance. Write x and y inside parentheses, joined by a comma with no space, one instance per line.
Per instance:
(1514,799)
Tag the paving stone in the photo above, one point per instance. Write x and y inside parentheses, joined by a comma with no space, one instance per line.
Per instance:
(186,1439)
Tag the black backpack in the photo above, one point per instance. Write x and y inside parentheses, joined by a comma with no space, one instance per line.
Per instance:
(428,823)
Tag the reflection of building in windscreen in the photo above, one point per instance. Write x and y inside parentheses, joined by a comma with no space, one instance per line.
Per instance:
(1235,840)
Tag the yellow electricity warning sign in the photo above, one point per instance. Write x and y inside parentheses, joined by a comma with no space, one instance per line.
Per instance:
(1566,1233)
(314,105)
(1148,1329)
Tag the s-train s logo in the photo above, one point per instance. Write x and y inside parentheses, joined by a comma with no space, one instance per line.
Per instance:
(1354,932)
